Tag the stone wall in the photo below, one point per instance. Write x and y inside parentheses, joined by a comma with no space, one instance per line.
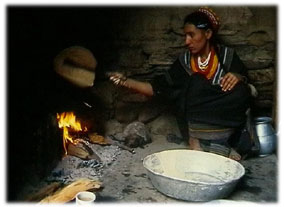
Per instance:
(146,40)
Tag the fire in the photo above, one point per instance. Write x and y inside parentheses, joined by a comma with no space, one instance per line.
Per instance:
(67,121)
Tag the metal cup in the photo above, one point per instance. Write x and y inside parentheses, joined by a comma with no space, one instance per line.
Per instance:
(85,198)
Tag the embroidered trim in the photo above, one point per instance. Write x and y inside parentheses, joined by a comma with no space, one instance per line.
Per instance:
(226,54)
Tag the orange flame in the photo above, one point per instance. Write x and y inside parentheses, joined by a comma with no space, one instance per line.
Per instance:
(67,121)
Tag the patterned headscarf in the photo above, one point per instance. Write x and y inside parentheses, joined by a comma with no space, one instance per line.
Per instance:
(204,18)
(211,15)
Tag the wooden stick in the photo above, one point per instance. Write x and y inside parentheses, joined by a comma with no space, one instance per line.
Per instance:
(122,146)
(82,151)
(69,192)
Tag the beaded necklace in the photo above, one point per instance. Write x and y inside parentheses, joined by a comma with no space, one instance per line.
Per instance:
(208,67)
(203,65)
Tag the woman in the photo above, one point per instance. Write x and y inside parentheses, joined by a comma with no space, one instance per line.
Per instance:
(208,84)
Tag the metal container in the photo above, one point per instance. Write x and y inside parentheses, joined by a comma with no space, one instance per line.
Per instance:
(193,175)
(263,126)
(265,136)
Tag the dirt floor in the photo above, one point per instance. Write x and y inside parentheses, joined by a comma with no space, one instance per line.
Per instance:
(125,180)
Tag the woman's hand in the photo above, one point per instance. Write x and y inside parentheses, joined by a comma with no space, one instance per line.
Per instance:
(117,78)
(138,86)
(229,81)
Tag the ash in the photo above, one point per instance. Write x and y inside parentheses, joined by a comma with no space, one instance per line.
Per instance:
(71,168)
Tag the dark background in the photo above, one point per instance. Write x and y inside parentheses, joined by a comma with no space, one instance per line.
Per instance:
(35,35)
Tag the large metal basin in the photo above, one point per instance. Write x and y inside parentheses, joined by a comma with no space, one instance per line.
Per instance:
(193,175)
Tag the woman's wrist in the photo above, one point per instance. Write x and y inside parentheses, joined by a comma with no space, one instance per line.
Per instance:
(123,78)
(241,77)
(126,82)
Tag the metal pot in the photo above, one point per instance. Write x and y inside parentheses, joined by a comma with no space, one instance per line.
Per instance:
(265,136)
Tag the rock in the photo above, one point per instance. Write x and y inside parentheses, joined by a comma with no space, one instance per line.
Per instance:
(159,59)
(264,104)
(234,16)
(113,127)
(120,137)
(254,58)
(265,96)
(164,125)
(262,75)
(136,134)
(259,38)
(263,87)
(126,173)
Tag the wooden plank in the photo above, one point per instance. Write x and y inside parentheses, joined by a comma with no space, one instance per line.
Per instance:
(69,192)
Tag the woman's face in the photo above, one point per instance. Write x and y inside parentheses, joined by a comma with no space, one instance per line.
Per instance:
(197,40)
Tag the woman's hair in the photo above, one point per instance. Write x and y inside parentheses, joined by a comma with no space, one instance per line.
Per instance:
(198,19)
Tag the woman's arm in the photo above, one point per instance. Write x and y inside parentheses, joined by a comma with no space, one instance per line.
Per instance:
(144,88)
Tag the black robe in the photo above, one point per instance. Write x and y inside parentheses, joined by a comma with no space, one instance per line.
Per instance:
(200,100)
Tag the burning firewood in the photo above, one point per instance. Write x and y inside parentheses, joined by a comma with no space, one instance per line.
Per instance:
(98,139)
(69,192)
(82,151)
(78,134)
(68,122)
(122,146)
